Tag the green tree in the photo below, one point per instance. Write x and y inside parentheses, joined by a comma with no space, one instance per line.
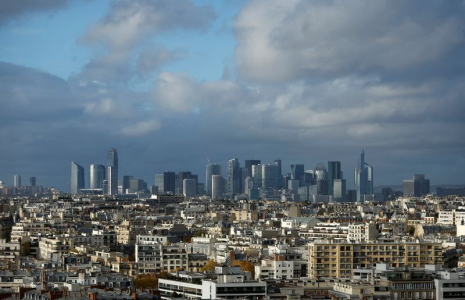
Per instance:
(209,266)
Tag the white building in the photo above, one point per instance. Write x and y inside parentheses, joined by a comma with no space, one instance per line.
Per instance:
(449,286)
(362,232)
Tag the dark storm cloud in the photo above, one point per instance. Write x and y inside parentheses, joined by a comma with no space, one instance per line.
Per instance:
(14,9)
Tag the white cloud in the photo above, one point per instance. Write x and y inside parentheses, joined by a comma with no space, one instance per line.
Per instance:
(141,128)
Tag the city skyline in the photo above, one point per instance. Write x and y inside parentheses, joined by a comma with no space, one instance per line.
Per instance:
(305,81)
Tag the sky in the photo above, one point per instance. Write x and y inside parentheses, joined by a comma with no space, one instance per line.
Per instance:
(172,83)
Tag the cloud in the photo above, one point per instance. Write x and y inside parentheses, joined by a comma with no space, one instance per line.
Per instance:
(313,39)
(141,128)
(11,10)
(130,23)
(153,58)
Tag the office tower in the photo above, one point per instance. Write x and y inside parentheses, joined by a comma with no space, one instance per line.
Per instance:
(160,183)
(234,177)
(212,169)
(126,183)
(416,187)
(257,176)
(32,181)
(169,182)
(112,171)
(277,163)
(17,181)
(186,175)
(136,185)
(244,175)
(320,174)
(297,171)
(269,177)
(96,176)
(339,190)
(334,172)
(189,187)
(286,178)
(217,186)
(77,178)
(249,163)
(363,178)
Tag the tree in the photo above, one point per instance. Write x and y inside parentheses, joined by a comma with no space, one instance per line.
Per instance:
(245,266)
(146,281)
(209,266)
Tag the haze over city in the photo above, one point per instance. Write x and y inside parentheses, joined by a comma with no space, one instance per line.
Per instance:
(170,83)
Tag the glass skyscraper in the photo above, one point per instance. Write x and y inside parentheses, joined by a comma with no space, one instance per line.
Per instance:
(363,178)
(112,171)
(96,176)
(334,172)
(234,177)
(212,169)
(77,178)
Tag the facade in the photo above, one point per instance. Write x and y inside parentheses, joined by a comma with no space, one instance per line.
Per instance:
(96,176)
(212,169)
(339,259)
(334,172)
(269,176)
(217,187)
(297,171)
(112,171)
(339,190)
(363,178)
(279,170)
(32,181)
(234,177)
(17,180)
(249,163)
(189,187)
(77,178)
(125,183)
(416,187)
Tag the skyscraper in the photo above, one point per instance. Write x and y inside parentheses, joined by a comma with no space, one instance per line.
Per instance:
(416,187)
(212,169)
(217,186)
(77,178)
(96,176)
(234,177)
(17,180)
(334,172)
(269,176)
(277,163)
(126,183)
(248,165)
(32,181)
(297,171)
(363,178)
(189,187)
(169,182)
(112,171)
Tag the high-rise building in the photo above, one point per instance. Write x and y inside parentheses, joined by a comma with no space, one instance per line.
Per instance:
(217,186)
(297,171)
(269,177)
(212,169)
(339,190)
(186,175)
(334,172)
(416,187)
(169,182)
(234,177)
(363,174)
(257,176)
(277,163)
(112,171)
(77,178)
(32,181)
(17,180)
(96,176)
(248,165)
(189,187)
(126,183)
(160,183)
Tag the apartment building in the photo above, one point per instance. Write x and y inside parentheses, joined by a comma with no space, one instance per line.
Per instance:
(339,259)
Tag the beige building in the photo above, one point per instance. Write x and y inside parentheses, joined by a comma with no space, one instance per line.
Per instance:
(339,259)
